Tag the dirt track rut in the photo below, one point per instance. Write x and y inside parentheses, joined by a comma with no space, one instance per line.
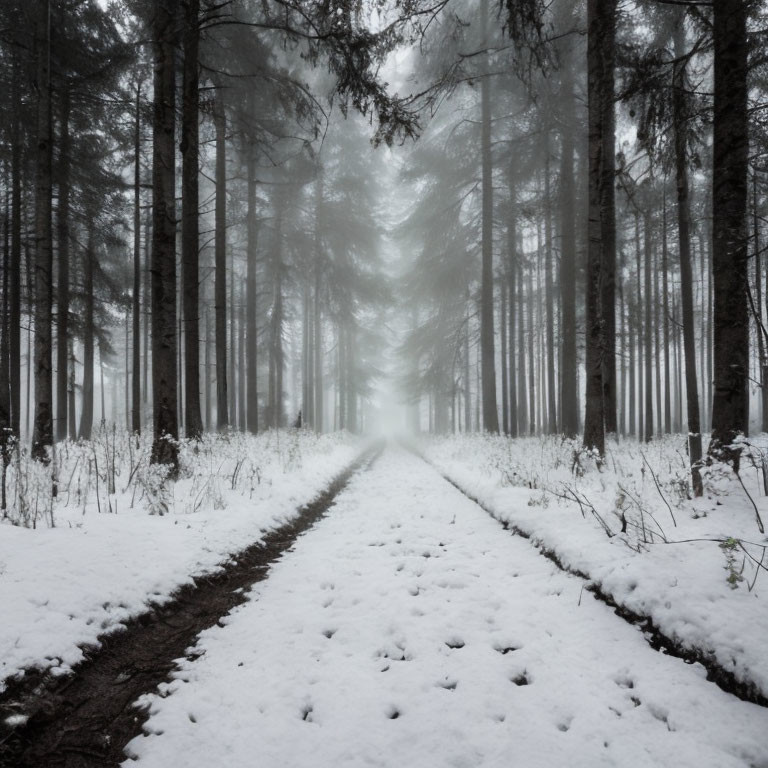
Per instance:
(85,720)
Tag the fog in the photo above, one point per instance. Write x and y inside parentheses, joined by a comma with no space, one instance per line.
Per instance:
(462,216)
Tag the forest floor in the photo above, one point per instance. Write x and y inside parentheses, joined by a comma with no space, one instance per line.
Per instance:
(408,627)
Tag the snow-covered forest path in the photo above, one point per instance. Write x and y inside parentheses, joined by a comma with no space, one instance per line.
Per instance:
(409,629)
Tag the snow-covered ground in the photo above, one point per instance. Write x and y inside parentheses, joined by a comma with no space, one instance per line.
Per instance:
(408,629)
(108,556)
(690,575)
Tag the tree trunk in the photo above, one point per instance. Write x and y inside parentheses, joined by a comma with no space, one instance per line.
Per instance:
(6,432)
(730,402)
(665,310)
(317,322)
(232,387)
(276,357)
(656,346)
(242,421)
(631,404)
(550,305)
(569,407)
(504,375)
(531,358)
(511,277)
(490,409)
(342,369)
(62,313)
(608,213)
(639,328)
(306,395)
(684,246)
(760,327)
(622,343)
(648,419)
(190,218)
(147,293)
(522,389)
(135,425)
(42,438)
(220,279)
(15,267)
(600,413)
(209,385)
(251,351)
(71,407)
(164,358)
(466,377)
(86,415)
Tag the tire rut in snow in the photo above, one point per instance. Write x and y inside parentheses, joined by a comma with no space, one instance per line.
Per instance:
(86,719)
(658,640)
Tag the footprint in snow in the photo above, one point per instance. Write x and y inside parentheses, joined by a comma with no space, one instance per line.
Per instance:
(505,649)
(565,724)
(521,679)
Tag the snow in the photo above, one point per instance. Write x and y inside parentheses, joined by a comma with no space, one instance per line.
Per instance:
(407,628)
(63,586)
(682,584)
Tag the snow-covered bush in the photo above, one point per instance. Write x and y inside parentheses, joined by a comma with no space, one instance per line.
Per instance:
(112,472)
(640,493)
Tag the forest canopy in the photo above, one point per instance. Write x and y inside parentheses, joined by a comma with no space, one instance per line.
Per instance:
(514,216)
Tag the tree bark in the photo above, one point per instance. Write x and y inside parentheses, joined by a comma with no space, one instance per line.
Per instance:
(504,375)
(164,357)
(318,330)
(190,219)
(220,299)
(531,358)
(42,439)
(232,383)
(759,325)
(730,401)
(209,385)
(550,304)
(665,324)
(522,389)
(135,423)
(490,408)
(569,408)
(511,277)
(6,432)
(648,419)
(86,415)
(600,412)
(14,287)
(684,246)
(62,313)
(276,355)
(466,377)
(241,422)
(251,352)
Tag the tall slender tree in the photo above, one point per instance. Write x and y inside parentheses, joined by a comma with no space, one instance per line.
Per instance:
(730,403)
(164,357)
(42,439)
(600,412)
(190,245)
